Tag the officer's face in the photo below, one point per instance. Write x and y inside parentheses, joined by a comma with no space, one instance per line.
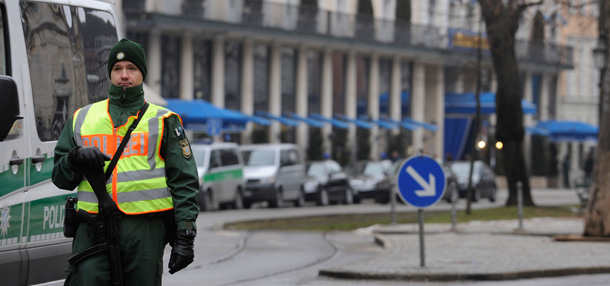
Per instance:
(126,74)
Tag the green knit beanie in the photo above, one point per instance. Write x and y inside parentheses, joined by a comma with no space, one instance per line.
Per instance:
(128,50)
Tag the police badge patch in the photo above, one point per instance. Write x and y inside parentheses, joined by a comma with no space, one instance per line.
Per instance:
(186,149)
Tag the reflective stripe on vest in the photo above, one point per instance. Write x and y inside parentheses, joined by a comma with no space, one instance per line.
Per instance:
(138,182)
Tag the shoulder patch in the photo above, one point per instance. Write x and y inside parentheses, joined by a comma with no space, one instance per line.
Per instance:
(186,149)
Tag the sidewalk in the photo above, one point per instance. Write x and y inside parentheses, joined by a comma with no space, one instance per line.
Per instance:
(480,251)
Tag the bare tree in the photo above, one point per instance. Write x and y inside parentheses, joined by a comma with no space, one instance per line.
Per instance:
(597,213)
(502,21)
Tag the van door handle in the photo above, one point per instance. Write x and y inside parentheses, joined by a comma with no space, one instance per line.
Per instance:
(16,161)
(38,159)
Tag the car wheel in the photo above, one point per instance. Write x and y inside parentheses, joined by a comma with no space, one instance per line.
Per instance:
(238,203)
(492,196)
(204,200)
(277,200)
(300,201)
(322,197)
(454,195)
(476,196)
(349,196)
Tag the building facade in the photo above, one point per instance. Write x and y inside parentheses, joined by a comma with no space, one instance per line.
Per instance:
(283,57)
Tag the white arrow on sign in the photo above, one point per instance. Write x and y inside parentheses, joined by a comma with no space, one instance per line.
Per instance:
(429,189)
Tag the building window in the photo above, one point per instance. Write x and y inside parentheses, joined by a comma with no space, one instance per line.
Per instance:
(261,77)
(405,87)
(202,69)
(288,79)
(362,84)
(233,75)
(314,81)
(170,67)
(338,83)
(385,77)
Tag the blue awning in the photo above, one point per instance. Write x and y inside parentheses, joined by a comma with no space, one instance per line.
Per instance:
(357,122)
(565,130)
(258,120)
(457,137)
(465,103)
(383,123)
(425,125)
(203,116)
(312,122)
(282,120)
(403,124)
(334,122)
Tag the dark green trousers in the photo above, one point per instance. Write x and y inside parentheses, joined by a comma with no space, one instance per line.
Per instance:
(142,239)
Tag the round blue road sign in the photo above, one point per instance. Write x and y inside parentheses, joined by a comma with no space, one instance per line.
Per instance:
(421,181)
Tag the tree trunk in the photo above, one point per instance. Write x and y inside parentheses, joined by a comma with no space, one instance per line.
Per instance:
(597,213)
(502,22)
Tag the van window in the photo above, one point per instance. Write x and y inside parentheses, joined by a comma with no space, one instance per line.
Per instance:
(260,157)
(3,45)
(228,157)
(214,159)
(67,50)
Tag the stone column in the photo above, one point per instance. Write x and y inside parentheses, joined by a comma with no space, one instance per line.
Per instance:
(438,116)
(153,61)
(275,91)
(395,103)
(302,135)
(186,67)
(350,100)
(326,106)
(218,71)
(373,105)
(418,103)
(247,90)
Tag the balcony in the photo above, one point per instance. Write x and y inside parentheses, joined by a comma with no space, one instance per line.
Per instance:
(280,20)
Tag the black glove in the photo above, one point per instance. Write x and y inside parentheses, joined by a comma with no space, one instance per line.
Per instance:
(87,158)
(182,251)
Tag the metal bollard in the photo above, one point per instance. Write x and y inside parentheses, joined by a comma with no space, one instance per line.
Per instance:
(453,211)
(520,204)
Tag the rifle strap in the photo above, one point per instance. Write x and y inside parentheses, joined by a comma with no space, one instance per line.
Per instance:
(119,150)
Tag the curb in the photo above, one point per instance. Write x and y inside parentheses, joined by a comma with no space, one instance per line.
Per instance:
(445,277)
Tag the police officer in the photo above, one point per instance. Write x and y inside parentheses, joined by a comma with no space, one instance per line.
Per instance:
(155,176)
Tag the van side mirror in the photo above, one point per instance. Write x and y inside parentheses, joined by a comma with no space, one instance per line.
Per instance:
(9,109)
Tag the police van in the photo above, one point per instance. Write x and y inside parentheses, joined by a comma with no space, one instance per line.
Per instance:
(53,60)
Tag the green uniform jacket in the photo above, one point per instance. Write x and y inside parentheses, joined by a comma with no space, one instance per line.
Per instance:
(181,172)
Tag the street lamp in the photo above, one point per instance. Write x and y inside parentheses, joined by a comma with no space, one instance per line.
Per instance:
(599,52)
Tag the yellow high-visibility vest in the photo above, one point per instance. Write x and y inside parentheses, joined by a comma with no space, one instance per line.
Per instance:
(138,183)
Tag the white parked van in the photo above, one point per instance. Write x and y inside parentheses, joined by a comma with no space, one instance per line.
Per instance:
(53,60)
(274,173)
(221,180)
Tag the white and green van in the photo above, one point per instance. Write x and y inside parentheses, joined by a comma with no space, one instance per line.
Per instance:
(221,181)
(53,60)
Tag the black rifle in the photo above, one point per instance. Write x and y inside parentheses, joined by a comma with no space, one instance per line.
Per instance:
(106,221)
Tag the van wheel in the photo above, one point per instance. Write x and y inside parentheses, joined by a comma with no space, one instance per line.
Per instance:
(204,200)
(322,198)
(238,203)
(277,200)
(349,196)
(300,201)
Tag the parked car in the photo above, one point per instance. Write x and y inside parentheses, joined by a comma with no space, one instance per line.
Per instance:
(221,181)
(274,173)
(371,180)
(452,192)
(327,183)
(483,180)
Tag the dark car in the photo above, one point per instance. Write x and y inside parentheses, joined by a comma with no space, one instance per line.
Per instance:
(371,180)
(327,183)
(483,180)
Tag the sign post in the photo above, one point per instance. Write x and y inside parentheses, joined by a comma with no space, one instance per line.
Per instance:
(421,183)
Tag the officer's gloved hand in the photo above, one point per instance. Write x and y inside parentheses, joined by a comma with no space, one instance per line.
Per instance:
(182,251)
(87,158)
